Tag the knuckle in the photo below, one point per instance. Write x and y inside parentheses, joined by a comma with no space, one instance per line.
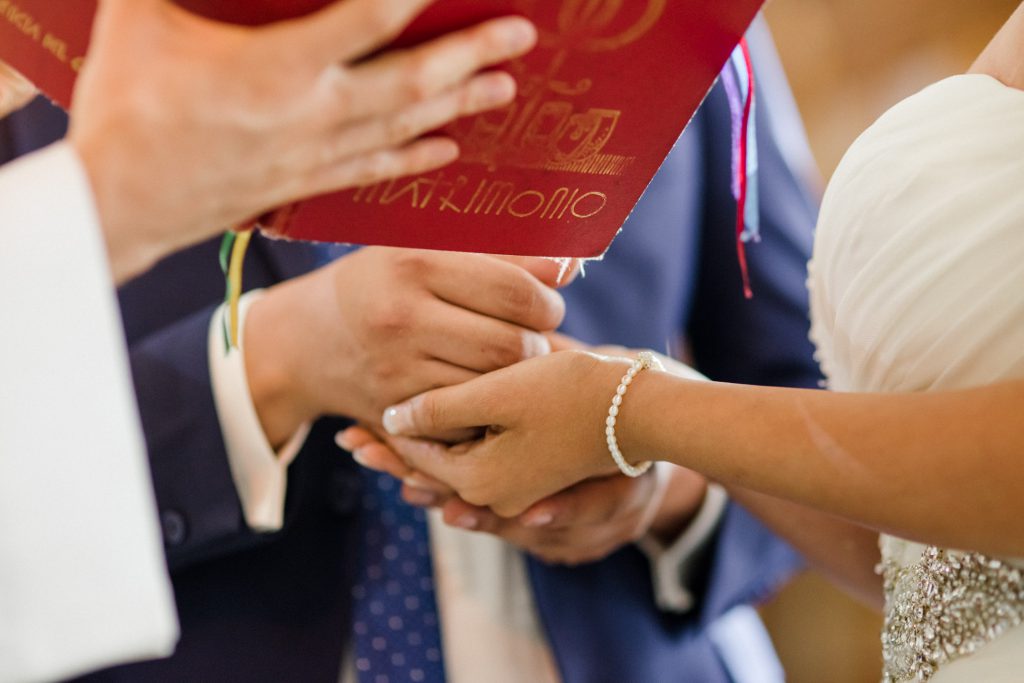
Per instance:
(522,299)
(395,317)
(412,265)
(420,79)
(375,167)
(385,373)
(433,412)
(580,363)
(342,97)
(510,348)
(382,20)
(401,128)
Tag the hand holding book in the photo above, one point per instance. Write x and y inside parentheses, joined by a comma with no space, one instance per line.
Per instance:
(187,126)
(15,90)
(600,103)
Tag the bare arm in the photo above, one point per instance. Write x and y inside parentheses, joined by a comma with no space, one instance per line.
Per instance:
(846,553)
(1003,59)
(940,468)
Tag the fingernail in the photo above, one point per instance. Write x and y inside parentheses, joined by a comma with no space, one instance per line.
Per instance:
(341,438)
(538,520)
(521,34)
(398,420)
(360,457)
(417,481)
(467,522)
(536,345)
(495,89)
(420,498)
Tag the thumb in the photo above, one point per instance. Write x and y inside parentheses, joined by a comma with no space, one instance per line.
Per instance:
(448,414)
(551,271)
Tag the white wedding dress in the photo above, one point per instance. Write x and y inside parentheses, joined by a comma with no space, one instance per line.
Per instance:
(917,284)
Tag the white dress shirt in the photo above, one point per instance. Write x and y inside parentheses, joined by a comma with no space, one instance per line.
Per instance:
(83,581)
(483,590)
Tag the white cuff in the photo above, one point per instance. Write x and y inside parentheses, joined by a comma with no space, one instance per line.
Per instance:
(260,474)
(673,567)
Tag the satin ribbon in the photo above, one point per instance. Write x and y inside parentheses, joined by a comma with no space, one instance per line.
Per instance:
(740,88)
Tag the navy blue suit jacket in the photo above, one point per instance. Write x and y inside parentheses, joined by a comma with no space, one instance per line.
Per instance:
(276,607)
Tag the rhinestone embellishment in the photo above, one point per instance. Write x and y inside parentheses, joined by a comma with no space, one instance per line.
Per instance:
(943,607)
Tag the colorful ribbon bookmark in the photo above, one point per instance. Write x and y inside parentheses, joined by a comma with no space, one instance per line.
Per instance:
(738,79)
(232,258)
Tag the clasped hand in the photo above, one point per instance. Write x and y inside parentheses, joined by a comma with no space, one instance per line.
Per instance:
(380,325)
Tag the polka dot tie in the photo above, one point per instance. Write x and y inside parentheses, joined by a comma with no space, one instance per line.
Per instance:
(397,637)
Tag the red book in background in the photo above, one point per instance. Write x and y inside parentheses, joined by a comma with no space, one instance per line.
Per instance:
(602,100)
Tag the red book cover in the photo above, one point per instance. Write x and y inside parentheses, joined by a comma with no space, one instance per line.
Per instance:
(602,100)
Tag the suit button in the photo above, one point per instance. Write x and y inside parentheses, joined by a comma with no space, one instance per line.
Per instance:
(345,491)
(174,527)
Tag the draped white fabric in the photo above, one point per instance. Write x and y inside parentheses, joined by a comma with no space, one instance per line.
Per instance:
(83,581)
(917,280)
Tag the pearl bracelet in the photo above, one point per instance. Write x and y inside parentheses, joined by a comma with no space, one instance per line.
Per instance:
(645,361)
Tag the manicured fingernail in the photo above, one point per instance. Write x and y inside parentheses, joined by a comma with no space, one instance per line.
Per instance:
(341,438)
(420,498)
(467,522)
(360,457)
(536,345)
(398,419)
(538,520)
(417,481)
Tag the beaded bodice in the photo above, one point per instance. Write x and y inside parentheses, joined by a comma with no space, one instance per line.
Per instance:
(942,606)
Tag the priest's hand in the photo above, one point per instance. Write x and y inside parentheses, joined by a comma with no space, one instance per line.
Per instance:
(187,126)
(15,91)
(382,324)
(584,523)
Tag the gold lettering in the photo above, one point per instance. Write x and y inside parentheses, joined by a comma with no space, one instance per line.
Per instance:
(522,195)
(569,203)
(411,188)
(368,193)
(500,194)
(555,203)
(602,202)
(21,20)
(57,47)
(447,202)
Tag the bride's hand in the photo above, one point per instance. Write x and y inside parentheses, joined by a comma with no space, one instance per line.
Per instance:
(15,90)
(539,428)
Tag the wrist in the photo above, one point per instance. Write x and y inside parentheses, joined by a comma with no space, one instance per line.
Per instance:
(272,370)
(128,252)
(682,500)
(625,420)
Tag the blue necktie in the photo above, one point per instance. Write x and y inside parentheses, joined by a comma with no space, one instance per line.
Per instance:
(397,637)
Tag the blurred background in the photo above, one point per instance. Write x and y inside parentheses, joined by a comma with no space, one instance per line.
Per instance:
(848,61)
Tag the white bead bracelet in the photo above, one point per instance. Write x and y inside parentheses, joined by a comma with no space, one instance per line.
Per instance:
(645,361)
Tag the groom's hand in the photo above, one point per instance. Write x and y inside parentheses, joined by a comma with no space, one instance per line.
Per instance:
(380,325)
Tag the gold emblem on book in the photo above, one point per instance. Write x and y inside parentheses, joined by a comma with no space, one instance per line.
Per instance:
(544,129)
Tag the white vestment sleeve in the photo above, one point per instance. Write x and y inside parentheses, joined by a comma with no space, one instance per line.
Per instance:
(83,579)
